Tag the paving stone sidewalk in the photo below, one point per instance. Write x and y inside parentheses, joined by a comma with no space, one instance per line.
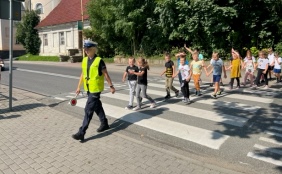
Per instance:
(35,138)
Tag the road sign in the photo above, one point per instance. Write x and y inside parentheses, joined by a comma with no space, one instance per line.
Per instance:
(5,10)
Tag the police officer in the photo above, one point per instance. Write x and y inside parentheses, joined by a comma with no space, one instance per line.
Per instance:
(93,73)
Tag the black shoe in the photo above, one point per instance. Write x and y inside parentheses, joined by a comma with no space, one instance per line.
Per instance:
(78,136)
(167,96)
(176,93)
(103,127)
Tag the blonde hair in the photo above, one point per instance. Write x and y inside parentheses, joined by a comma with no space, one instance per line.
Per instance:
(263,53)
(214,54)
(132,58)
(144,62)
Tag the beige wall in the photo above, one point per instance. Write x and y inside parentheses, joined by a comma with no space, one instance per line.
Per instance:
(5,36)
(55,47)
(48,6)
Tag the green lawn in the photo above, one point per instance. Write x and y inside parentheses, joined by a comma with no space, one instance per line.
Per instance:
(29,57)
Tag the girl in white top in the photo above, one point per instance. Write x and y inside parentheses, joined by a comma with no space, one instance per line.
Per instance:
(248,55)
(249,65)
(262,67)
(277,61)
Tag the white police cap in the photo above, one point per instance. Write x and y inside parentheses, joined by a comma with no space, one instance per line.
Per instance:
(89,43)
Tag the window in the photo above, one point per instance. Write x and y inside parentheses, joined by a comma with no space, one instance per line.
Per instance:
(7,32)
(55,39)
(17,42)
(45,39)
(39,8)
(62,38)
(69,39)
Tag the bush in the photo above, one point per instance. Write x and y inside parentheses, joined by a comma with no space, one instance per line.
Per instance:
(278,48)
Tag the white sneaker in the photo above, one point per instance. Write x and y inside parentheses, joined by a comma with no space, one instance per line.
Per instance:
(136,108)
(153,105)
(265,87)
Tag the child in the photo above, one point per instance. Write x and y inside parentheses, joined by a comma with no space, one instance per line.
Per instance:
(235,68)
(249,65)
(178,63)
(262,67)
(218,66)
(184,70)
(142,83)
(277,66)
(131,80)
(196,67)
(248,56)
(169,71)
(212,82)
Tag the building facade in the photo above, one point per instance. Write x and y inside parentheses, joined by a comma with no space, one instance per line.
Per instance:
(60,31)
(44,7)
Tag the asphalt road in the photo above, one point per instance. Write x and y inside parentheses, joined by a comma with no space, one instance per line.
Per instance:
(240,140)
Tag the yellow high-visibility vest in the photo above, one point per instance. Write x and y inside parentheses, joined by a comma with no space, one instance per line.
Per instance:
(94,81)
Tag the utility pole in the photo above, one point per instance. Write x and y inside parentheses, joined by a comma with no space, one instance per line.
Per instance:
(11,56)
(82,26)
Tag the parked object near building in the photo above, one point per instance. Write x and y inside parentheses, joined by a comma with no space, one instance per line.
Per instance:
(2,64)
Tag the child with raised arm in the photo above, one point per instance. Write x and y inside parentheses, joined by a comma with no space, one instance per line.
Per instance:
(184,70)
(217,68)
(169,72)
(131,80)
(196,70)
(235,68)
(142,83)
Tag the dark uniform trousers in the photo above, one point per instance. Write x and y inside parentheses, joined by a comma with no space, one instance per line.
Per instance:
(93,104)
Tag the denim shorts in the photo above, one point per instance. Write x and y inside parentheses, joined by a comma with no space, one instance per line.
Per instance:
(277,71)
(216,78)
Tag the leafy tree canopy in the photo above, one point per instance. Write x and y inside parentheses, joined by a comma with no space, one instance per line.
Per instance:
(150,27)
(27,34)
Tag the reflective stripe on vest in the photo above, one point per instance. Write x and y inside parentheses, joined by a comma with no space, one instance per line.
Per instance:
(94,81)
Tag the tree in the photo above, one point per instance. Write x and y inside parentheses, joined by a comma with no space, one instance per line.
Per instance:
(123,24)
(27,34)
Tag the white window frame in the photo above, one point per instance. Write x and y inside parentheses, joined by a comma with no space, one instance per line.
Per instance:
(45,39)
(62,38)
(40,10)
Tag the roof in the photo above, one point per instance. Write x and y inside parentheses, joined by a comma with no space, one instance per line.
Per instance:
(66,11)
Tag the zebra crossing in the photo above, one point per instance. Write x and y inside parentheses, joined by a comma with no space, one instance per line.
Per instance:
(273,138)
(227,110)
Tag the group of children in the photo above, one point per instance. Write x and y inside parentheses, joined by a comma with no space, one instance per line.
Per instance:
(137,76)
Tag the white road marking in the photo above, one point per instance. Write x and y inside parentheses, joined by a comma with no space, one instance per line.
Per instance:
(198,113)
(276,128)
(273,133)
(278,122)
(250,98)
(265,159)
(270,141)
(190,133)
(213,102)
(59,98)
(48,73)
(272,150)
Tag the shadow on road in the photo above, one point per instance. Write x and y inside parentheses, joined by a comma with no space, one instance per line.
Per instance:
(127,120)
